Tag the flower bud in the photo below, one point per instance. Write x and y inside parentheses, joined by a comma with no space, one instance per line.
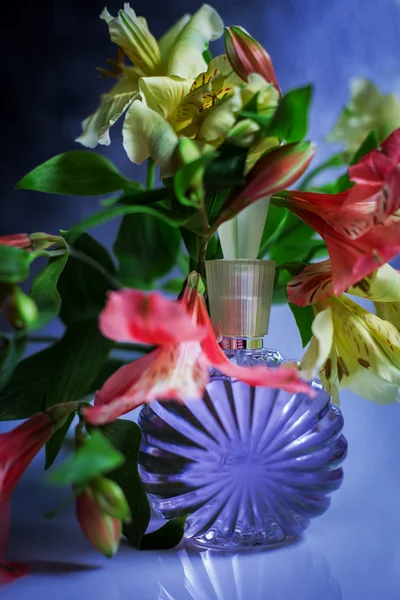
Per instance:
(111,498)
(247,56)
(102,530)
(42,241)
(18,240)
(243,133)
(275,171)
(187,153)
(22,310)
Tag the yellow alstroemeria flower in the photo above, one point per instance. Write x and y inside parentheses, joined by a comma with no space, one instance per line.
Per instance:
(205,110)
(367,110)
(179,54)
(351,347)
(383,288)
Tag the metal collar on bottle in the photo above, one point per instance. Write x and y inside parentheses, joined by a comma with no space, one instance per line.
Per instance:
(236,343)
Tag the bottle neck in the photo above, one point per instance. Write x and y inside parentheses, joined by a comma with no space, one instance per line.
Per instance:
(241,343)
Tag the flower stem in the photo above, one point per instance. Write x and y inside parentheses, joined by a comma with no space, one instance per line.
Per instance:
(79,255)
(151,174)
(202,256)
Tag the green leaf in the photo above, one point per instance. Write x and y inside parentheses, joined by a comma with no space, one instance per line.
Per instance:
(95,457)
(273,229)
(146,248)
(214,202)
(167,537)
(173,285)
(78,173)
(83,353)
(125,436)
(304,317)
(227,169)
(192,243)
(290,121)
(113,212)
(87,277)
(11,351)
(264,120)
(14,264)
(294,240)
(334,162)
(189,178)
(44,290)
(29,387)
(370,143)
(109,367)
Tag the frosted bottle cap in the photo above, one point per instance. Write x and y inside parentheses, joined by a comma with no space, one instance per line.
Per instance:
(240,295)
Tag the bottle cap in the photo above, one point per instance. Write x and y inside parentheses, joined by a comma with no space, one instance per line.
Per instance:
(240,295)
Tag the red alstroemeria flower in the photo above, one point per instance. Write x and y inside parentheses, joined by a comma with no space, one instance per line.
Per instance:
(179,367)
(17,449)
(313,284)
(18,240)
(353,256)
(376,197)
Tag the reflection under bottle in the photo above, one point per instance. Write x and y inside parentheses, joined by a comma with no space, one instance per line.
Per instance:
(292,573)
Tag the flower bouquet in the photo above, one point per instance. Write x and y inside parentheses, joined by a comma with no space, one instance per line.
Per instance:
(223,147)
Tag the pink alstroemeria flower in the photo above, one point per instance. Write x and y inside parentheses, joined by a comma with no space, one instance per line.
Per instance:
(247,56)
(179,367)
(17,449)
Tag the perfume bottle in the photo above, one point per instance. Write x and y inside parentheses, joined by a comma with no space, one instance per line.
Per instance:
(248,466)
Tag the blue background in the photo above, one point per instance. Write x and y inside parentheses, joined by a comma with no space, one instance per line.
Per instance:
(50,84)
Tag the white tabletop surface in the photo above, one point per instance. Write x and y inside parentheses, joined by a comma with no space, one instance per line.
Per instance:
(352,552)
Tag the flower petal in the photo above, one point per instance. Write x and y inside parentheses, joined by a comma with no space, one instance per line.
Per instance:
(313,284)
(18,240)
(4,521)
(112,105)
(277,169)
(132,34)
(371,169)
(220,119)
(320,346)
(370,348)
(163,94)
(391,147)
(146,133)
(167,41)
(10,571)
(147,318)
(389,311)
(351,260)
(124,379)
(174,372)
(285,377)
(383,285)
(186,56)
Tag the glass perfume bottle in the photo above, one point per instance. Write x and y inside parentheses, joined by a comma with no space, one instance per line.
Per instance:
(249,466)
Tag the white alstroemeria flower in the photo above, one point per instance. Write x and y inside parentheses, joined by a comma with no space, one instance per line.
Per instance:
(205,110)
(351,347)
(383,288)
(367,110)
(178,54)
